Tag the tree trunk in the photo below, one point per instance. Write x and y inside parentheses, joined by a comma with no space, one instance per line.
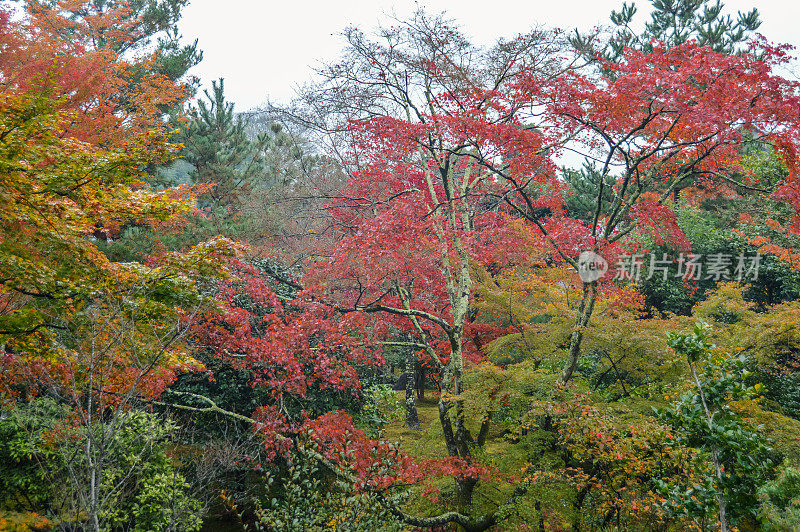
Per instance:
(447,427)
(465,488)
(581,321)
(421,383)
(92,460)
(723,513)
(458,440)
(540,520)
(412,418)
(709,416)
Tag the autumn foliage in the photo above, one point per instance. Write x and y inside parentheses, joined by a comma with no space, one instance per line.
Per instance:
(449,241)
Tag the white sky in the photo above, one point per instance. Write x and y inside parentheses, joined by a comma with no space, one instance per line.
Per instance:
(265,49)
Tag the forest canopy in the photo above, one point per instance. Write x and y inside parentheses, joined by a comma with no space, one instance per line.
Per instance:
(549,283)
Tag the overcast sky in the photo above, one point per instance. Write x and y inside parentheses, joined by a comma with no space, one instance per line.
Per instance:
(264,49)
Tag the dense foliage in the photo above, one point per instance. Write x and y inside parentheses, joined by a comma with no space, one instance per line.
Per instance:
(388,306)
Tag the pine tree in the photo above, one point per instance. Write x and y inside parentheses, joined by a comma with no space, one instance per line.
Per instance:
(217,145)
(147,23)
(581,198)
(673,22)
